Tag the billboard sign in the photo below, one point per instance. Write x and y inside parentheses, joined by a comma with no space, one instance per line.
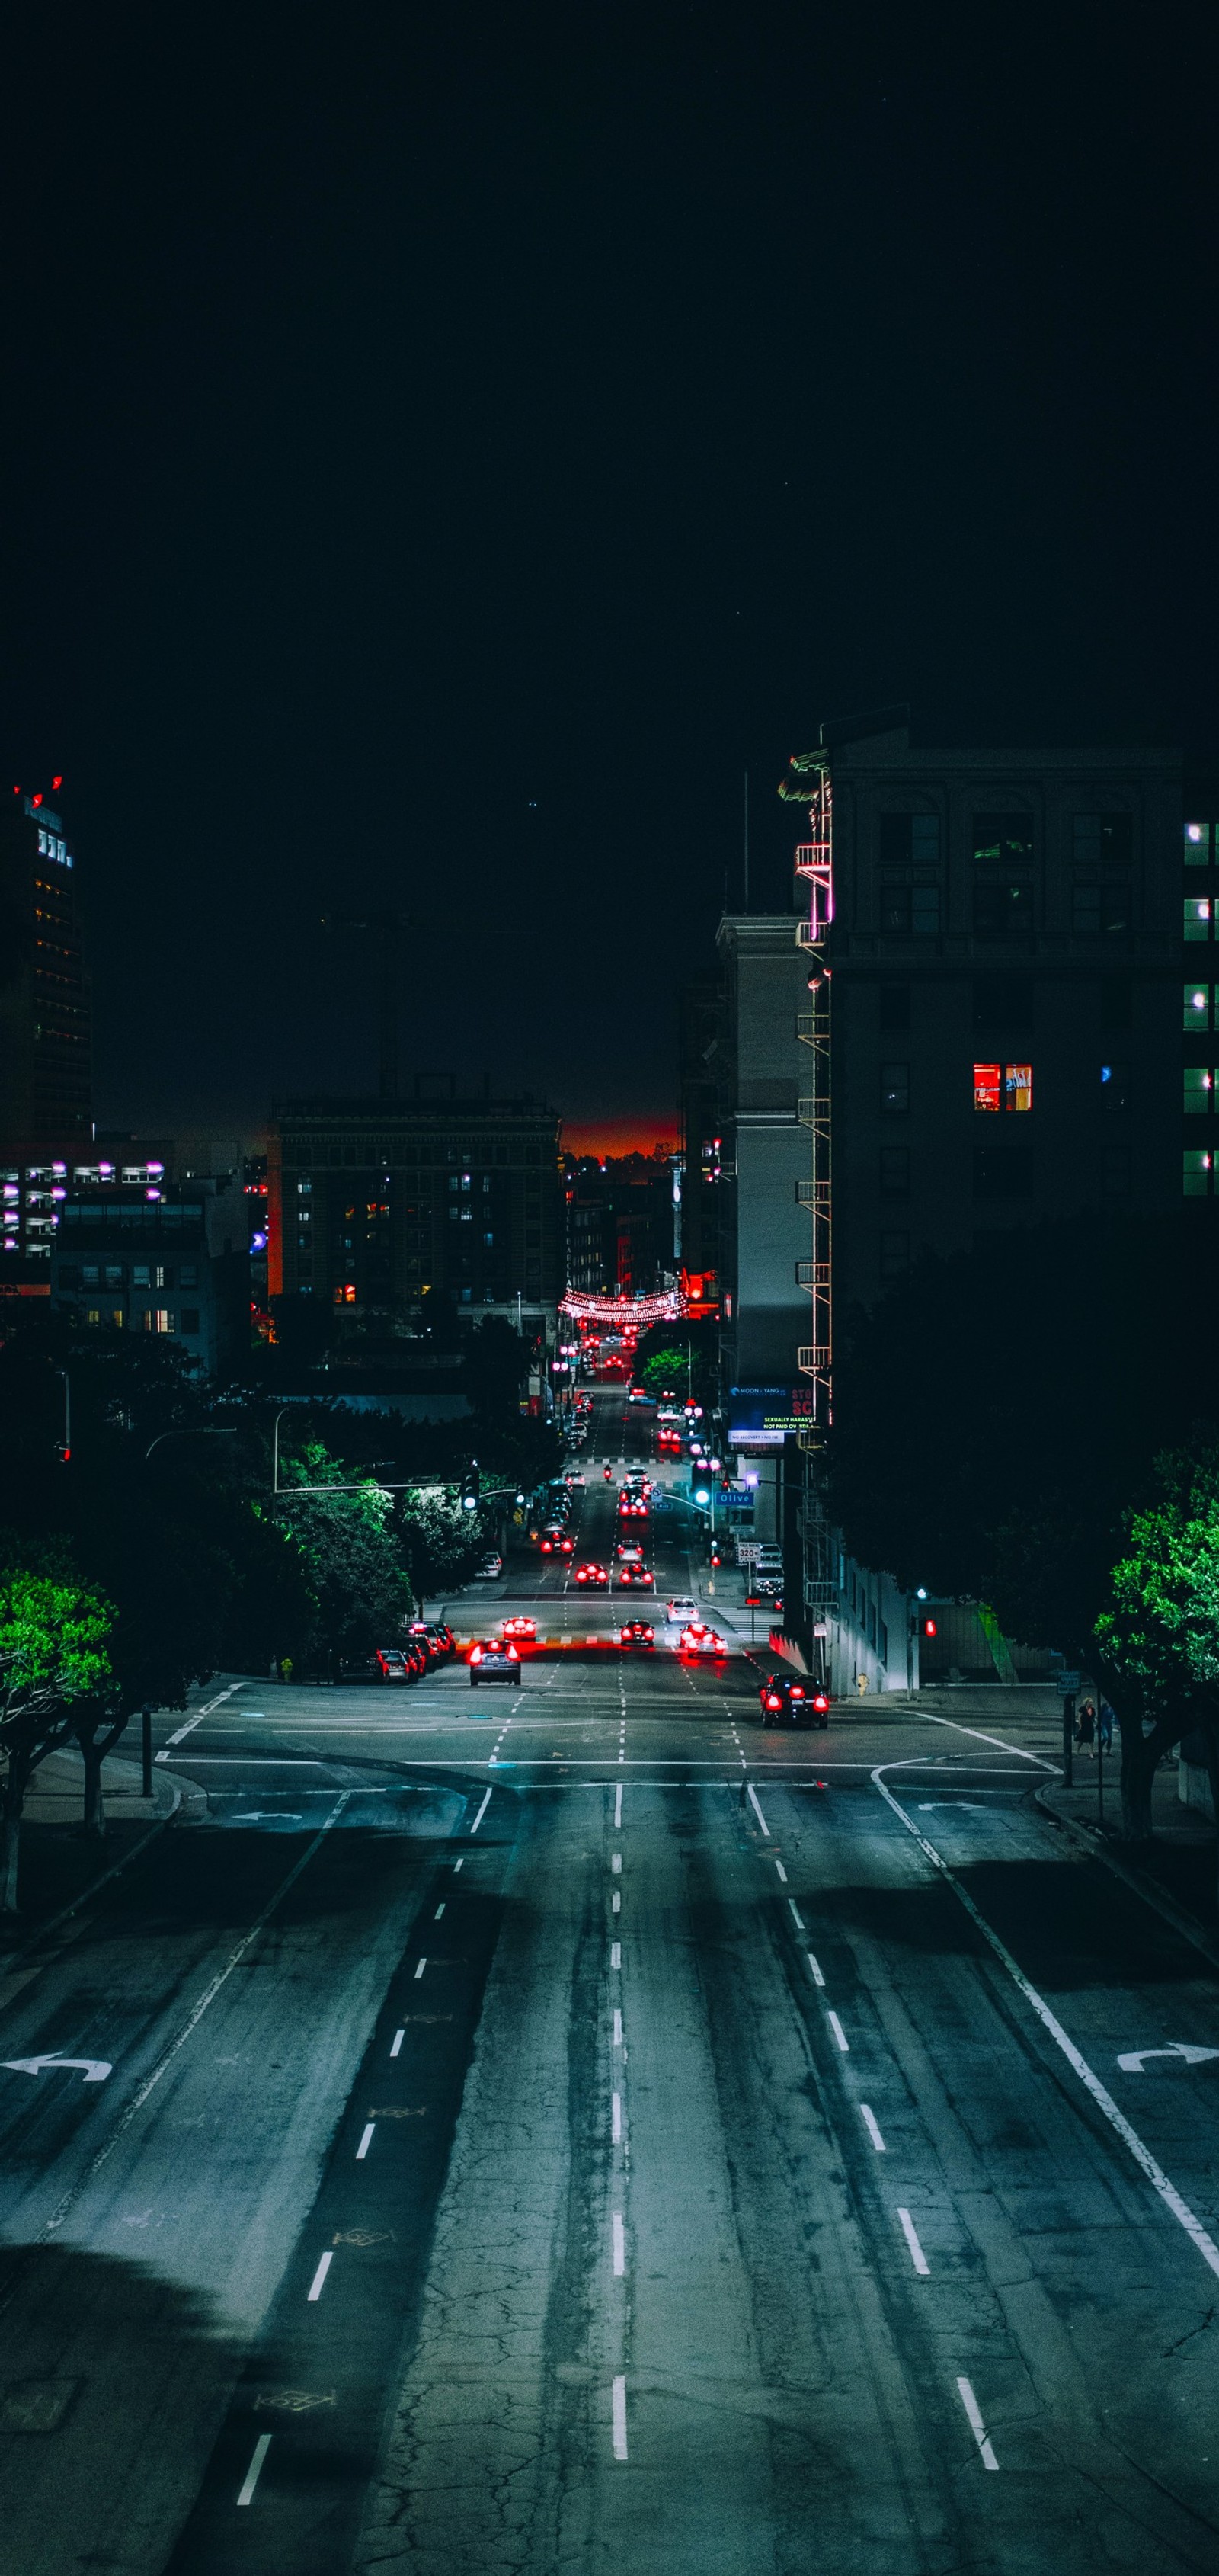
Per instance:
(763,1417)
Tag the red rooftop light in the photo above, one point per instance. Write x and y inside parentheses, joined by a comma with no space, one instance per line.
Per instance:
(58,782)
(35,800)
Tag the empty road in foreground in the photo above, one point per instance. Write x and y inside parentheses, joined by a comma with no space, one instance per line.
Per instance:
(573,2129)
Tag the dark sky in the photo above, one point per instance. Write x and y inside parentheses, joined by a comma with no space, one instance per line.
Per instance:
(443,446)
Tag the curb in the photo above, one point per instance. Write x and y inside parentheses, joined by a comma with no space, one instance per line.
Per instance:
(1088,1839)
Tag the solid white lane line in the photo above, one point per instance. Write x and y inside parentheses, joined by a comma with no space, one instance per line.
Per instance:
(615,1954)
(782,1872)
(869,2120)
(365,2142)
(399,2036)
(818,1979)
(201,1713)
(1104,2101)
(618,1804)
(839,2033)
(619,2244)
(439,1911)
(261,2448)
(616,2118)
(620,2419)
(917,2256)
(979,1737)
(616,1863)
(796,1915)
(617,2029)
(976,2425)
(191,2024)
(481,1812)
(419,1970)
(315,2286)
(753,1800)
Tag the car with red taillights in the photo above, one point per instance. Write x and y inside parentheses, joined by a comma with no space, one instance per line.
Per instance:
(495,1659)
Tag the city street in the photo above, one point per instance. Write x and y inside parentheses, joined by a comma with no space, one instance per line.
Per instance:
(574,2128)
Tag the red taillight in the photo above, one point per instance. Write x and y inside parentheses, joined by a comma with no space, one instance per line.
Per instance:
(477,1656)
(797,1693)
(774,1703)
(513,1656)
(820,1703)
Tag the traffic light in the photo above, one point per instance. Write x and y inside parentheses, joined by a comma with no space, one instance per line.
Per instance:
(926,1627)
(469,1487)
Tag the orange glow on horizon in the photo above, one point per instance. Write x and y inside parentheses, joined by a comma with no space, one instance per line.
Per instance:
(614,1136)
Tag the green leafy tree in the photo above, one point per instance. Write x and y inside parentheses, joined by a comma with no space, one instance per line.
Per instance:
(1158,1635)
(443,1542)
(354,1560)
(54,1641)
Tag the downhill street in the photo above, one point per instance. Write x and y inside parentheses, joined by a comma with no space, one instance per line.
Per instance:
(571,2128)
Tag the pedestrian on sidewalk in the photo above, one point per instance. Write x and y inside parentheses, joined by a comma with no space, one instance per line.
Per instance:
(1085,1727)
(1104,1727)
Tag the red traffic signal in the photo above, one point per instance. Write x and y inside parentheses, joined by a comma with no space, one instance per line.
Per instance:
(927,1627)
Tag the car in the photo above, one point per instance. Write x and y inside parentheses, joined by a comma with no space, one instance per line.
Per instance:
(520,1627)
(594,1575)
(491,1566)
(393,1664)
(700,1640)
(446,1636)
(551,1538)
(423,1632)
(639,1575)
(495,1659)
(784,1700)
(628,1553)
(678,1612)
(576,1479)
(637,1632)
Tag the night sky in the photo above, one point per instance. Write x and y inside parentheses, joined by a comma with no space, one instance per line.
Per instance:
(444,447)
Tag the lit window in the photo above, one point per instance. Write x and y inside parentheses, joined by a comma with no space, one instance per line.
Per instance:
(42,845)
(986,1086)
(1196,1013)
(1197,845)
(1199,1089)
(1197,917)
(1196,1173)
(1018,1086)
(1005,837)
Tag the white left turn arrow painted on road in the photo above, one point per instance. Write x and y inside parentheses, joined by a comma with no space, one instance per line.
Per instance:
(1182,2049)
(96,2069)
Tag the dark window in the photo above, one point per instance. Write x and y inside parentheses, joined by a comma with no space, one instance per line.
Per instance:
(894,1171)
(1115,1086)
(1102,840)
(188,1276)
(1116,1003)
(1097,909)
(906,908)
(894,1089)
(1003,1002)
(1003,907)
(69,1275)
(910,840)
(1115,1171)
(1005,837)
(894,1007)
(190,1319)
(1002,1170)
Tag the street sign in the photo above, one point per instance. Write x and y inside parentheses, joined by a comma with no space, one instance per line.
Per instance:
(748,1550)
(1066,1684)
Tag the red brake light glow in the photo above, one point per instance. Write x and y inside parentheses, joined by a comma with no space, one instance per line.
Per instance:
(477,1656)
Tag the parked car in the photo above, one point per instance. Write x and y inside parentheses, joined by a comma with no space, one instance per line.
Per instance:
(495,1659)
(422,1633)
(491,1566)
(393,1664)
(637,1632)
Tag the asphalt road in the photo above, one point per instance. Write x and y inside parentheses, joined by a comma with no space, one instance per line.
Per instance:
(574,2129)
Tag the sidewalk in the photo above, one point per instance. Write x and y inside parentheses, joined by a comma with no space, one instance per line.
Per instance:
(1177,1871)
(56,1792)
(60,1866)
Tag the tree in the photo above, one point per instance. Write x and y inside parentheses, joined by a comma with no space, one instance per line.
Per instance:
(355,1566)
(444,1543)
(1158,1635)
(54,1637)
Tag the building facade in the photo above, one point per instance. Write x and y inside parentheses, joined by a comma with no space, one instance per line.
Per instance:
(378,1207)
(158,1258)
(46,1087)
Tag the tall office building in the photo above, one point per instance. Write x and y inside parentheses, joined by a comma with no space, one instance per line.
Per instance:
(993,957)
(376,1207)
(45,1054)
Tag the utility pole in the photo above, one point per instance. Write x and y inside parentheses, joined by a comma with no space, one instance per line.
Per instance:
(746,840)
